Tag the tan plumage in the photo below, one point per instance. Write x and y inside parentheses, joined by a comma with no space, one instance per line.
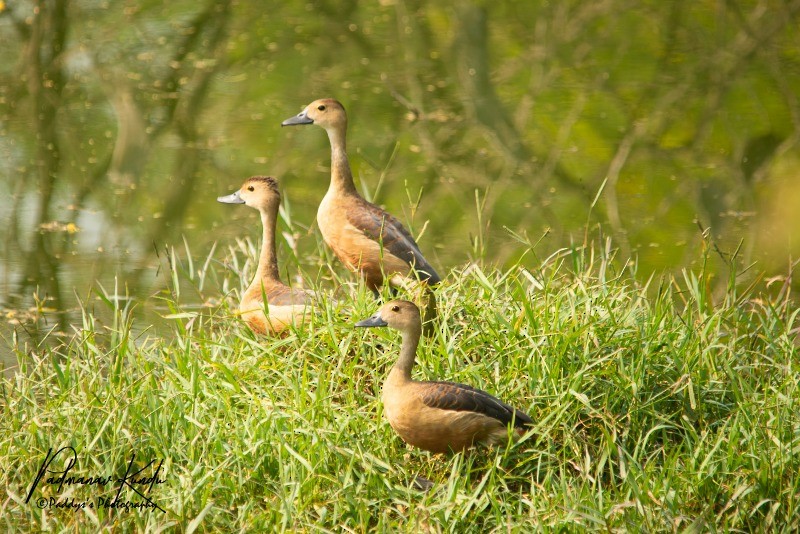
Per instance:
(285,305)
(437,416)
(363,236)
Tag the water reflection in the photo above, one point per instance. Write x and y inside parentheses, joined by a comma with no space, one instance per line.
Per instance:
(120,124)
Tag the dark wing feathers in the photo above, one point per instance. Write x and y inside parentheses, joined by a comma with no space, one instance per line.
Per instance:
(381,226)
(462,398)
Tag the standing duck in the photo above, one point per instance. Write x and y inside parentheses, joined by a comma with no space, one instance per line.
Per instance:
(363,236)
(438,416)
(284,305)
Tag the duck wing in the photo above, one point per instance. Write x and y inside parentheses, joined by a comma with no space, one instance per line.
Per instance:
(464,398)
(280,295)
(379,225)
(289,297)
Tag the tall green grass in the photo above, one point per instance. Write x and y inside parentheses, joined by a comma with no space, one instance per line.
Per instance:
(658,407)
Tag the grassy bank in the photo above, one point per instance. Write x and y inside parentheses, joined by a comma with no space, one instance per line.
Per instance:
(657,408)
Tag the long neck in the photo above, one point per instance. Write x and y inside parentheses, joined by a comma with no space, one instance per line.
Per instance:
(268,262)
(408,353)
(341,176)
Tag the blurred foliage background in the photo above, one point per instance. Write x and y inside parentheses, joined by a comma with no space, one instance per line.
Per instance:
(668,126)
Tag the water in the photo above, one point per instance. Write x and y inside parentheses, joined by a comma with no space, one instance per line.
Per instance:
(121,124)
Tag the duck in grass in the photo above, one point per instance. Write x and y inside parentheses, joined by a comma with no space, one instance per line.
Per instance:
(364,237)
(268,305)
(438,416)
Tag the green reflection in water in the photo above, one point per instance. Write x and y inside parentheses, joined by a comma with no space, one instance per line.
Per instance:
(488,126)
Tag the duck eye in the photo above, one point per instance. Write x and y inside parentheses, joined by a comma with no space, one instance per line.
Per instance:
(321,108)
(251,188)
(395,308)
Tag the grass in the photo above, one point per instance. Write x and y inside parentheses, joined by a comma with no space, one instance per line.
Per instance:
(657,408)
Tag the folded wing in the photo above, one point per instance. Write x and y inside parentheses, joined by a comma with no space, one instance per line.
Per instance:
(460,397)
(382,227)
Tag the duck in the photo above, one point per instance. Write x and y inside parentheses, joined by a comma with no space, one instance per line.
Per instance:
(364,237)
(438,416)
(285,305)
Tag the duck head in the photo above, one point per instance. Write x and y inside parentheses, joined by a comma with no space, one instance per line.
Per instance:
(259,192)
(327,113)
(398,314)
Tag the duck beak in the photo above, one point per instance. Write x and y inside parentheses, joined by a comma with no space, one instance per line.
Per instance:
(300,118)
(233,198)
(375,320)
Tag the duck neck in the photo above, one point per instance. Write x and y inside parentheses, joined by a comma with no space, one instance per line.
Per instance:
(268,262)
(408,354)
(341,176)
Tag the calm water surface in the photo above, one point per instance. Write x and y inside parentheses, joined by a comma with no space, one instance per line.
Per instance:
(120,125)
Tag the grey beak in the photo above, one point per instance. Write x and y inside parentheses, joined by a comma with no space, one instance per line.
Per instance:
(300,118)
(375,320)
(233,198)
